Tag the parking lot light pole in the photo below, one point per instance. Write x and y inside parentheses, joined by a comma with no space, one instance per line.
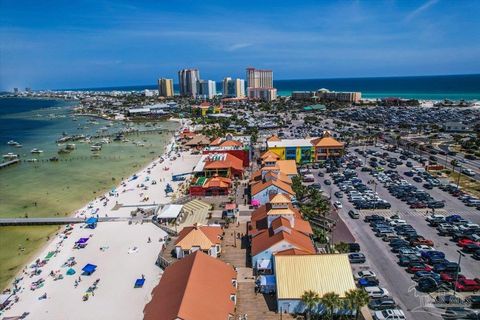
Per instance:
(460,255)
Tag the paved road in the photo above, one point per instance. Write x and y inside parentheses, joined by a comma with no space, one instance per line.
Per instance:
(383,263)
(381,260)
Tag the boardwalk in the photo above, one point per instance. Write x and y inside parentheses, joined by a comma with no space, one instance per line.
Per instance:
(236,252)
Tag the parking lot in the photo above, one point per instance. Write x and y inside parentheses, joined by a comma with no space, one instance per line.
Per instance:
(380,259)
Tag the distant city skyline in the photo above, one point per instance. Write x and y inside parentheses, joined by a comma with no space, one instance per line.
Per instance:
(104,43)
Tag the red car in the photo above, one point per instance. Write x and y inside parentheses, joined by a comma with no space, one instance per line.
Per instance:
(450,277)
(421,241)
(463,242)
(414,267)
(467,285)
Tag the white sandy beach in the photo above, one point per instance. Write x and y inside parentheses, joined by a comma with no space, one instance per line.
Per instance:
(127,255)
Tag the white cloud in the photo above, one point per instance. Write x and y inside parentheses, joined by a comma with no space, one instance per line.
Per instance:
(238,46)
(420,9)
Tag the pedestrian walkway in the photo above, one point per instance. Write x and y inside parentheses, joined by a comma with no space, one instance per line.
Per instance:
(413,212)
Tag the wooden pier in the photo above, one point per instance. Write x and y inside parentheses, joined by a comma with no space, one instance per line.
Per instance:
(58,221)
(9,163)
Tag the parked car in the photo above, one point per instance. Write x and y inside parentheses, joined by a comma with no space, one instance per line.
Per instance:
(364,274)
(353,214)
(416,266)
(427,285)
(389,314)
(460,313)
(376,292)
(338,204)
(356,257)
(327,182)
(465,284)
(382,304)
(353,247)
(368,282)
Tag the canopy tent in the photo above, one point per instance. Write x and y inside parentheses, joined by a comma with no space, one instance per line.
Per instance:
(170,211)
(264,264)
(70,272)
(89,269)
(81,243)
(255,202)
(91,222)
(139,283)
(82,240)
(266,284)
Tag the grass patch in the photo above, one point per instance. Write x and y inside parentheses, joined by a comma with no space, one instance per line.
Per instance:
(467,184)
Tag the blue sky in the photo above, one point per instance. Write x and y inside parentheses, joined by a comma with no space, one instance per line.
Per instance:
(72,44)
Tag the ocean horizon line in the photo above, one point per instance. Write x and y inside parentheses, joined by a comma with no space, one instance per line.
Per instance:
(279,80)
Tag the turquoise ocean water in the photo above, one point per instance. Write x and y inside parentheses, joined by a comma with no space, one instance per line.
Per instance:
(453,87)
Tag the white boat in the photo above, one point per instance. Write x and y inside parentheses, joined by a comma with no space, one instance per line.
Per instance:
(18,145)
(32,160)
(35,150)
(10,156)
(96,147)
(12,143)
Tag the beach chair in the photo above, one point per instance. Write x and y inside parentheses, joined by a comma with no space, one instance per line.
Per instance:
(139,283)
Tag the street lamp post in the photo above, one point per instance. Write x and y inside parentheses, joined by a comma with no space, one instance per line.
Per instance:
(460,255)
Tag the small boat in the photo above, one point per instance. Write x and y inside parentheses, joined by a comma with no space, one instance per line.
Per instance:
(18,145)
(53,159)
(70,146)
(96,147)
(12,143)
(10,156)
(32,160)
(36,150)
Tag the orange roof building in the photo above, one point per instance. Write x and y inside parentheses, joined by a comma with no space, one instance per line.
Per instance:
(198,287)
(262,190)
(205,238)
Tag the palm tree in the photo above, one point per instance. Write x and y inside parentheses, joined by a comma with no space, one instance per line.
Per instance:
(342,247)
(356,299)
(310,298)
(454,164)
(331,301)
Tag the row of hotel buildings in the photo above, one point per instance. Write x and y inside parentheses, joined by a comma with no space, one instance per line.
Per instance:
(259,85)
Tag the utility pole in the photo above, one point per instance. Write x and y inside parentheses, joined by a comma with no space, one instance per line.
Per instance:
(460,254)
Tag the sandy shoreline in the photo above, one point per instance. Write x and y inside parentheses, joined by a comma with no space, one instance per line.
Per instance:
(126,256)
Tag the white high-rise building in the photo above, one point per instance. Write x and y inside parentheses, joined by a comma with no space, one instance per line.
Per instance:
(207,89)
(233,88)
(188,81)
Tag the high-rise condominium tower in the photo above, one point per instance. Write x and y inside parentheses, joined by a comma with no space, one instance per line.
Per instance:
(233,87)
(188,79)
(165,87)
(260,84)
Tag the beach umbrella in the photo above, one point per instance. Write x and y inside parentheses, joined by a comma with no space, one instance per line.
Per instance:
(70,272)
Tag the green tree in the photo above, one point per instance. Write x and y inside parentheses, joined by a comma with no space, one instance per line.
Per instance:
(356,299)
(310,299)
(342,247)
(331,301)
(454,164)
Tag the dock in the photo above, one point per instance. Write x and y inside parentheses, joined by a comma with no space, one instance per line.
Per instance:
(9,163)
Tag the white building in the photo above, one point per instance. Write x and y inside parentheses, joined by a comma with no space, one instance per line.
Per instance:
(207,89)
